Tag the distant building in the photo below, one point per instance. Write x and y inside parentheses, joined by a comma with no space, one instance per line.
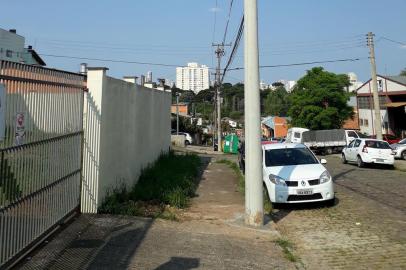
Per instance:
(274,126)
(392,103)
(183,108)
(12,49)
(287,84)
(194,77)
(355,84)
(263,86)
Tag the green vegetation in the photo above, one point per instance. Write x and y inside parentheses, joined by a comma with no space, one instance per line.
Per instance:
(169,183)
(319,101)
(287,248)
(403,72)
(276,102)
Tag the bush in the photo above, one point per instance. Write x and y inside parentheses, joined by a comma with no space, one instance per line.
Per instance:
(171,180)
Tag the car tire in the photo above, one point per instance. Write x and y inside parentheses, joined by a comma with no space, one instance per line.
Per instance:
(360,163)
(343,159)
(403,155)
(330,203)
(329,151)
(187,143)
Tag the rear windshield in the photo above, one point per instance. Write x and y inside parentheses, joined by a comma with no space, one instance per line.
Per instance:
(289,156)
(377,144)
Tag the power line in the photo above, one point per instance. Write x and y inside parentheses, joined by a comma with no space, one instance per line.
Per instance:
(111,60)
(393,41)
(305,63)
(235,47)
(228,20)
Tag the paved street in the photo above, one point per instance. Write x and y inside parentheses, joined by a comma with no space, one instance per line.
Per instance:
(366,229)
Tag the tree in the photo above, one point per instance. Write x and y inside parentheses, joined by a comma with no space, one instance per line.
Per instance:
(276,102)
(403,72)
(319,101)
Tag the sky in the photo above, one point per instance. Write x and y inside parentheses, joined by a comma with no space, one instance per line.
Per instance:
(175,32)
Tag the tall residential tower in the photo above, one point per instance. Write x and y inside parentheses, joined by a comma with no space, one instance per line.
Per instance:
(194,77)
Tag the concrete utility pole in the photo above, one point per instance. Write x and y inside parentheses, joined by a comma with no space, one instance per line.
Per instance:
(254,201)
(177,113)
(377,109)
(219,53)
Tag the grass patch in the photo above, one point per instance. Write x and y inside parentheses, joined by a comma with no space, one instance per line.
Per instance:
(241,182)
(169,183)
(287,248)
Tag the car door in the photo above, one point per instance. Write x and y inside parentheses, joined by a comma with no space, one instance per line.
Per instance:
(347,151)
(355,149)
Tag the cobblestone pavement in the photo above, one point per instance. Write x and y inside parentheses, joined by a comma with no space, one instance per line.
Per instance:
(366,229)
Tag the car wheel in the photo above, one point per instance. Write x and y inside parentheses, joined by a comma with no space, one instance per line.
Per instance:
(403,155)
(331,203)
(343,159)
(329,151)
(187,143)
(360,163)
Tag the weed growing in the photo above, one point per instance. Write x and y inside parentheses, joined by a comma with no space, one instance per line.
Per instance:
(170,181)
(287,248)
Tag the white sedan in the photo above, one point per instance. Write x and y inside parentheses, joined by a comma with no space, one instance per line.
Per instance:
(293,174)
(361,151)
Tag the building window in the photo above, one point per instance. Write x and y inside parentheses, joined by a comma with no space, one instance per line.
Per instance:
(9,53)
(361,122)
(366,122)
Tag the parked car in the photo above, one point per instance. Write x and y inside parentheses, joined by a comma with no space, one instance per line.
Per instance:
(361,151)
(391,139)
(241,153)
(293,174)
(188,138)
(400,149)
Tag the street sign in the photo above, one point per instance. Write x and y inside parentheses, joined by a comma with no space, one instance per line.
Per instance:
(2,112)
(20,128)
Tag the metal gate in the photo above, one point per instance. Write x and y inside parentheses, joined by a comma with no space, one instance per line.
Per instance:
(40,153)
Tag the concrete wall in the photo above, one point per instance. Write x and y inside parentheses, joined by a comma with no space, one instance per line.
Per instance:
(126,128)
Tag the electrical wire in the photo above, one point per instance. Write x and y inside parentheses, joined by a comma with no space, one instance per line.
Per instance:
(394,41)
(235,48)
(306,63)
(228,21)
(111,60)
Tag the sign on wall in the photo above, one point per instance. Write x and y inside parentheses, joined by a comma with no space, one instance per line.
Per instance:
(20,128)
(2,112)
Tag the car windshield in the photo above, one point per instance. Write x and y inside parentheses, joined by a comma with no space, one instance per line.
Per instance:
(288,157)
(402,141)
(361,135)
(377,144)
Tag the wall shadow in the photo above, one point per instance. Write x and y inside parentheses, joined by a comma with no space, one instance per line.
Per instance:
(180,263)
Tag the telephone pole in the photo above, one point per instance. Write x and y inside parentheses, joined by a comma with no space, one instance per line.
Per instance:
(254,208)
(219,53)
(377,109)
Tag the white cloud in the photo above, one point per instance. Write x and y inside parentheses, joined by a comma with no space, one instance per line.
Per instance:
(403,47)
(214,9)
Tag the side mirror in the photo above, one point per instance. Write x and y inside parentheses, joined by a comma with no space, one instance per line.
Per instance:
(323,161)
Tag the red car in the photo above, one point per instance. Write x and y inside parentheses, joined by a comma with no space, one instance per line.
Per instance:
(388,138)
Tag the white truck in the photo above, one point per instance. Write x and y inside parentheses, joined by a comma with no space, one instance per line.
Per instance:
(324,141)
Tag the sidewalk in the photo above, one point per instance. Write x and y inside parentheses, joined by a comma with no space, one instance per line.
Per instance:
(204,238)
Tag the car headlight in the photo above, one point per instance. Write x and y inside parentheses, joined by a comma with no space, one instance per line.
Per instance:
(277,180)
(394,147)
(325,177)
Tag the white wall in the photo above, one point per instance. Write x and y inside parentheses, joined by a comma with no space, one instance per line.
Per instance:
(370,116)
(126,128)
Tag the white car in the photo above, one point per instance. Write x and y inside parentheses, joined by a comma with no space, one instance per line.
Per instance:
(188,138)
(361,151)
(400,149)
(293,174)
